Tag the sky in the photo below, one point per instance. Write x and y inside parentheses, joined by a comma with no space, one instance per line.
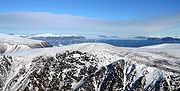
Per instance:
(108,17)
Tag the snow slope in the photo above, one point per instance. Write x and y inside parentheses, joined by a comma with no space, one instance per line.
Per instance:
(10,39)
(93,67)
(7,48)
(9,43)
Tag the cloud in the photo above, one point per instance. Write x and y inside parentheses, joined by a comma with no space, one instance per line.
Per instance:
(40,21)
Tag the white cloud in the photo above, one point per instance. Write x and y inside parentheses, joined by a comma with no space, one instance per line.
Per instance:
(39,21)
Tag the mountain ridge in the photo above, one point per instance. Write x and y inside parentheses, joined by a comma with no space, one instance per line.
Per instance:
(93,66)
(10,43)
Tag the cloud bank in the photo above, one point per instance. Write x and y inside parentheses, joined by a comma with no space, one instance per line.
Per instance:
(64,23)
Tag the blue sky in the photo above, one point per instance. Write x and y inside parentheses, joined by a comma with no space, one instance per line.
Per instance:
(109,17)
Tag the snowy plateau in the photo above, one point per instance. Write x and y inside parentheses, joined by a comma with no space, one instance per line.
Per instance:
(87,67)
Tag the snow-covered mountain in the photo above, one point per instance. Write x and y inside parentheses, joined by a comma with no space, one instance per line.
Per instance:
(48,35)
(91,67)
(117,37)
(54,35)
(10,43)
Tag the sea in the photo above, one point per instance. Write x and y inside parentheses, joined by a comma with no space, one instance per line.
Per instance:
(115,42)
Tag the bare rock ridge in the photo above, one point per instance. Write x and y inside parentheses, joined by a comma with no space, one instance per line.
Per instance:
(82,71)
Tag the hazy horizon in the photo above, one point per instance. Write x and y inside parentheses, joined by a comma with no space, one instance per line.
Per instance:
(94,17)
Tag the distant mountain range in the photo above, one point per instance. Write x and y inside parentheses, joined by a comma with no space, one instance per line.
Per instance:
(47,35)
(119,37)
(164,39)
(131,37)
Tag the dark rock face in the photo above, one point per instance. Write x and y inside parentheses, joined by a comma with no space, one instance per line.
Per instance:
(5,63)
(40,45)
(113,78)
(77,71)
(2,49)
